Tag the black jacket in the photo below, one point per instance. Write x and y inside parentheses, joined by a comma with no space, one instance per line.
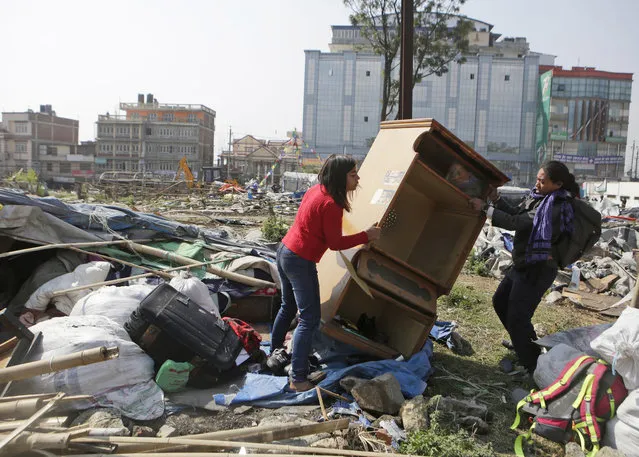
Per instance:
(520,219)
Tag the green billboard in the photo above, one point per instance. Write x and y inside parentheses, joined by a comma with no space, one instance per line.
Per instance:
(543,115)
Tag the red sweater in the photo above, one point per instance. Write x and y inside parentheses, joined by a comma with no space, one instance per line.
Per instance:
(318,226)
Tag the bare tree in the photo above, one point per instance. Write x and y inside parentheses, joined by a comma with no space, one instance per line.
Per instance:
(441,36)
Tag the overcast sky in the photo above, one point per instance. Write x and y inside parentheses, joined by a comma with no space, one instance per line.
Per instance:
(245,58)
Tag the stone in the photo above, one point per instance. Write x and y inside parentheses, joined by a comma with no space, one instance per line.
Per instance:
(349,382)
(607,451)
(460,408)
(540,330)
(414,414)
(475,425)
(573,450)
(242,409)
(142,431)
(166,431)
(99,418)
(331,443)
(387,417)
(382,395)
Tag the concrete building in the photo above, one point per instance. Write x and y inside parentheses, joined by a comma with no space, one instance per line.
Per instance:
(40,140)
(588,120)
(490,101)
(254,158)
(154,136)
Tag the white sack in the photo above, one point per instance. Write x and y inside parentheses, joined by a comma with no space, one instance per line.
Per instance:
(622,431)
(116,303)
(85,274)
(619,346)
(133,367)
(196,290)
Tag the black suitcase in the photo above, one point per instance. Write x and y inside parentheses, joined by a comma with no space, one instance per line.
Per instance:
(168,325)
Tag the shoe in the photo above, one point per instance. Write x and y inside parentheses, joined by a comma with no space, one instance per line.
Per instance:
(278,360)
(508,345)
(316,377)
(300,386)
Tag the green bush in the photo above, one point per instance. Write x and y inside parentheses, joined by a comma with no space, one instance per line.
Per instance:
(274,228)
(475,265)
(440,441)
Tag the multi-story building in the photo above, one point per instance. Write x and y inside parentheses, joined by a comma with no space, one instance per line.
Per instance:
(254,158)
(40,140)
(489,101)
(154,136)
(588,120)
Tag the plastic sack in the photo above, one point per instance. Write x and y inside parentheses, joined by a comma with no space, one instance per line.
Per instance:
(129,373)
(116,303)
(196,290)
(622,432)
(619,346)
(85,274)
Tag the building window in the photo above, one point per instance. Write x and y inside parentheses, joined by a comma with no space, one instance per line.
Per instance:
(85,166)
(561,87)
(472,76)
(368,73)
(192,117)
(21,147)
(153,116)
(52,151)
(22,127)
(167,117)
(49,166)
(365,118)
(507,78)
(65,167)
(330,72)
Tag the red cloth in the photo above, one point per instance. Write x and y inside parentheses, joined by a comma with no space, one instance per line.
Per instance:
(248,335)
(318,227)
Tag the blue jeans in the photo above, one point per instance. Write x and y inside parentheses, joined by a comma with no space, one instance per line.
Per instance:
(300,290)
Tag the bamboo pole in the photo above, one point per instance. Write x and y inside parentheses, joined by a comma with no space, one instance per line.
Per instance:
(254,282)
(321,402)
(63,246)
(311,453)
(5,442)
(635,295)
(117,281)
(264,434)
(122,262)
(27,370)
(229,445)
(332,394)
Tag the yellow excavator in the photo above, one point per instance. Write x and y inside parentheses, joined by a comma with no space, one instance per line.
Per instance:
(188,176)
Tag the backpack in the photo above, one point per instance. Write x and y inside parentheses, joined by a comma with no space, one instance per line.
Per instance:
(586,232)
(575,405)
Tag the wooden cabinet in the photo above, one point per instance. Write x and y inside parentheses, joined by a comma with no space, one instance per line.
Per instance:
(416,182)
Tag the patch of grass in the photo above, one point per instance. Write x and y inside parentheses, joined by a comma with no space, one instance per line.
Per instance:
(441,440)
(461,296)
(476,265)
(478,377)
(274,228)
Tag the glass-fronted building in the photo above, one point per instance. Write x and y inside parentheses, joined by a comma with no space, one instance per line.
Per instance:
(588,120)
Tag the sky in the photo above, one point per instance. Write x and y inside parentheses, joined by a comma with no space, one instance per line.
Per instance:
(245,58)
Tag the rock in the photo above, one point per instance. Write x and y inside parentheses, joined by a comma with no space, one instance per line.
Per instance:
(242,409)
(610,452)
(387,417)
(461,408)
(475,424)
(574,450)
(331,443)
(349,382)
(540,330)
(142,431)
(166,431)
(553,297)
(100,418)
(414,414)
(461,346)
(382,394)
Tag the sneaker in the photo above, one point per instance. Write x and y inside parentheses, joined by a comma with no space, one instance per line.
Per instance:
(278,360)
(300,386)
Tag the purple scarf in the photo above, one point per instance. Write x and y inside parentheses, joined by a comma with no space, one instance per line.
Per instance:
(539,245)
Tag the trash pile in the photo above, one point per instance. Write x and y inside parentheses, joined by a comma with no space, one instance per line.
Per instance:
(608,269)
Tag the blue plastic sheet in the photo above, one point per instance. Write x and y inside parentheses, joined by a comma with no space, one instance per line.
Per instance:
(411,374)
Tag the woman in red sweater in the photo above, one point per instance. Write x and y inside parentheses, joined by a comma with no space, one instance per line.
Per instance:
(317,227)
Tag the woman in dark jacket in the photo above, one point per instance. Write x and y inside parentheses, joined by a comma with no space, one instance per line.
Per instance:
(538,223)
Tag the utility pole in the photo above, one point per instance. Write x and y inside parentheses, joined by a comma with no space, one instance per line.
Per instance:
(228,157)
(406,61)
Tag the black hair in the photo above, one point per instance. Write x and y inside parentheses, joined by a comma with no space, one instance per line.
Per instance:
(333,177)
(558,172)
